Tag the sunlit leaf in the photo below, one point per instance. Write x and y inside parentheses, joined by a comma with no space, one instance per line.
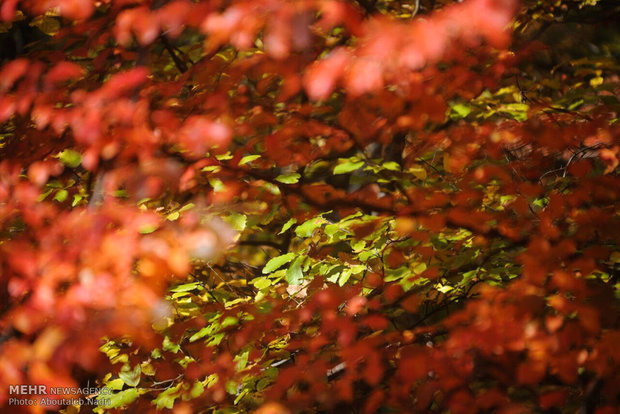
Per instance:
(277,262)
(248,158)
(290,178)
(294,274)
(347,166)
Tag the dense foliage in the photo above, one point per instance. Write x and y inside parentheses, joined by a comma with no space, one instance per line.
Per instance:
(311,205)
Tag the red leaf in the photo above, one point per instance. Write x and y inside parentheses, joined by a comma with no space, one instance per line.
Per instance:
(320,79)
(124,82)
(7,12)
(11,72)
(76,9)
(64,71)
(198,134)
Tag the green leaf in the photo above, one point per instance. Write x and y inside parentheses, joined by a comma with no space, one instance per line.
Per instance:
(261,282)
(288,225)
(168,345)
(61,195)
(344,276)
(290,178)
(186,207)
(248,158)
(277,262)
(516,110)
(76,199)
(358,246)
(461,110)
(229,321)
(307,228)
(224,157)
(241,395)
(332,229)
(391,165)
(70,158)
(366,255)
(147,228)
(130,376)
(211,168)
(197,390)
(122,398)
(44,195)
(201,333)
(217,184)
(294,274)
(166,398)
(231,387)
(242,360)
(186,287)
(445,288)
(216,339)
(237,221)
(115,384)
(347,166)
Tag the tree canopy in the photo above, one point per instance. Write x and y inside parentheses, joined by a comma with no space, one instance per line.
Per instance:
(373,206)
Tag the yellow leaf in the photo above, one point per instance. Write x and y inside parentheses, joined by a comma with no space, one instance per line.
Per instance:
(418,171)
(47,24)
